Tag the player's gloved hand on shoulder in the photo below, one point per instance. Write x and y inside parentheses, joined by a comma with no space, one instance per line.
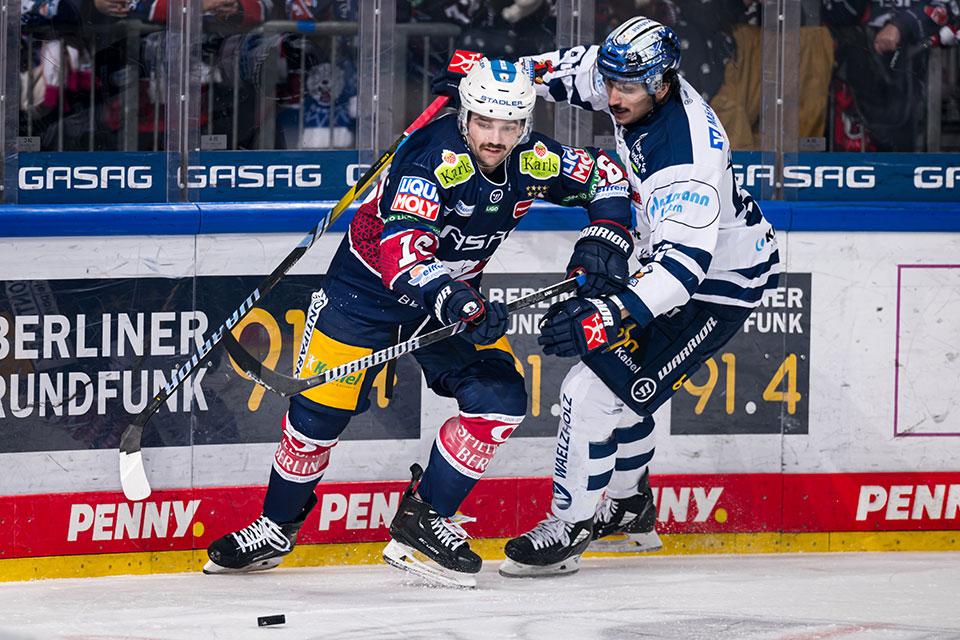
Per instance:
(577,326)
(602,253)
(486,321)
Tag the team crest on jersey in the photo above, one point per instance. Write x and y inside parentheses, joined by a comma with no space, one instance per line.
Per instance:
(540,162)
(577,164)
(417,196)
(455,169)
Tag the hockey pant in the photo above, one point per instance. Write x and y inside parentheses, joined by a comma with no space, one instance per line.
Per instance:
(605,438)
(489,391)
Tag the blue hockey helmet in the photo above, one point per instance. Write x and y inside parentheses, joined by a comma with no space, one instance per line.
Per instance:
(639,50)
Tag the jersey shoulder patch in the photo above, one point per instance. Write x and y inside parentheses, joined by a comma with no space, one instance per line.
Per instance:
(539,162)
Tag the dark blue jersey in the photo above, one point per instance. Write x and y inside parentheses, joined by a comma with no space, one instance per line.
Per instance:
(437,218)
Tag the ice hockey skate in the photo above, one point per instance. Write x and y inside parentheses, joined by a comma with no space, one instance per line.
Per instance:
(551,548)
(258,546)
(427,544)
(627,525)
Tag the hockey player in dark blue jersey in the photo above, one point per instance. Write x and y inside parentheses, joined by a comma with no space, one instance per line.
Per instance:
(415,252)
(707,256)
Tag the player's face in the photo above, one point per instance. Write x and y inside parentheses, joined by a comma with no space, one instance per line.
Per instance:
(491,139)
(628,102)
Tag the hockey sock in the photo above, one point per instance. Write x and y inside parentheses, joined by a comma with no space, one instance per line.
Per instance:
(464,447)
(635,449)
(298,465)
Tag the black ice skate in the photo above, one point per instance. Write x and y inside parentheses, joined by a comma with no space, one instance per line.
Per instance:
(551,548)
(429,545)
(627,525)
(258,546)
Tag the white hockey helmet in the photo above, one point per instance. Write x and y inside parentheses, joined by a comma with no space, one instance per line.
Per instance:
(497,89)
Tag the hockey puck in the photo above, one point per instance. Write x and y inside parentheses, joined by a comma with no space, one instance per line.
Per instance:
(266,621)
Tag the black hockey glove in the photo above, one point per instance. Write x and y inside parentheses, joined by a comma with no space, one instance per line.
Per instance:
(486,321)
(447,83)
(577,326)
(603,254)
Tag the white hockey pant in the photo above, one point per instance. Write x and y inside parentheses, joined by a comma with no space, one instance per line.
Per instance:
(601,445)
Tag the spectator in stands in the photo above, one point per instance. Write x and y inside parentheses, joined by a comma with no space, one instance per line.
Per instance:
(881,64)
(737,101)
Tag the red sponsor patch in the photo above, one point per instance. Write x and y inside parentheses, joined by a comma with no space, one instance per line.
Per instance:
(421,207)
(593,331)
(463,61)
(521,208)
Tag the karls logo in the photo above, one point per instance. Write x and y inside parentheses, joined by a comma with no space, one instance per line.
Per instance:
(131,520)
(85,177)
(800,176)
(909,502)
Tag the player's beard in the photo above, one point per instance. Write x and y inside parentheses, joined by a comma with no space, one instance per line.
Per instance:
(492,148)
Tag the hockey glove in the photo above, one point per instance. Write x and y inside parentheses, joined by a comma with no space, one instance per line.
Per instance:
(447,83)
(577,326)
(603,254)
(486,321)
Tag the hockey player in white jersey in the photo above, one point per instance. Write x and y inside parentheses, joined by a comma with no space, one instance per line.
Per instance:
(706,257)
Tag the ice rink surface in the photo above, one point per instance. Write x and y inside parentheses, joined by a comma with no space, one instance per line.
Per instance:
(845,596)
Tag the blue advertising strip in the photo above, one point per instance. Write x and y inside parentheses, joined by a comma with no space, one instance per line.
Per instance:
(81,177)
(853,177)
(269,217)
(282,175)
(17,221)
(299,217)
(874,216)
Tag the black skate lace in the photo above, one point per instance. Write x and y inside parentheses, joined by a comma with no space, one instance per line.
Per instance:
(449,531)
(549,531)
(262,531)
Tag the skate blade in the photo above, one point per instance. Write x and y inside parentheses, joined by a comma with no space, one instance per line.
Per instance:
(408,559)
(628,543)
(513,569)
(212,568)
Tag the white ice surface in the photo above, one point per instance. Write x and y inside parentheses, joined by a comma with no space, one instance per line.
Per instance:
(848,596)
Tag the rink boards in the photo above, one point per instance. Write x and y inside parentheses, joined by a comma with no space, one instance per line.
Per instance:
(829,422)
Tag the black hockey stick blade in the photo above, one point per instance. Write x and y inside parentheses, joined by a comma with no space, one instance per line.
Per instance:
(133,477)
(286,386)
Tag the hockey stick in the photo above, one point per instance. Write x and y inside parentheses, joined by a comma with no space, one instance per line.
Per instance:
(286,386)
(133,477)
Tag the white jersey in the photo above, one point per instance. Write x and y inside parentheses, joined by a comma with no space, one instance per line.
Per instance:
(699,235)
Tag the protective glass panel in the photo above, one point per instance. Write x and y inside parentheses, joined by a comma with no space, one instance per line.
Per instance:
(429,32)
(894,88)
(89,75)
(280,75)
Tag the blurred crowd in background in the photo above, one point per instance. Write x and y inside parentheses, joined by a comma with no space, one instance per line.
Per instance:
(283,74)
